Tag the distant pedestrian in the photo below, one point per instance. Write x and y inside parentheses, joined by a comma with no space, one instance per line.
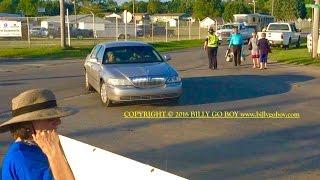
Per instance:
(264,50)
(236,42)
(253,47)
(211,47)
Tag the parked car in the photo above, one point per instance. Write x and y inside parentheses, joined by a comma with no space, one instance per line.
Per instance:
(130,71)
(224,33)
(146,30)
(39,32)
(283,34)
(74,33)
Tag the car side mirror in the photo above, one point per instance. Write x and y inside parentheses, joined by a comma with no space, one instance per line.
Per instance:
(167,57)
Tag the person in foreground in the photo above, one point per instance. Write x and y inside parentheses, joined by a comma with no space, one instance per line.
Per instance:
(36,152)
(211,47)
(264,50)
(236,42)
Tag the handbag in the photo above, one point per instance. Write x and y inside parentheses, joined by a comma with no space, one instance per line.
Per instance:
(229,56)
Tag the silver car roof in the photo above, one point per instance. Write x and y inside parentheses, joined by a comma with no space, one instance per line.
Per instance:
(123,43)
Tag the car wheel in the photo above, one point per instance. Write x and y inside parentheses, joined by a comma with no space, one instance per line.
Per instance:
(175,100)
(89,88)
(298,43)
(104,96)
(121,36)
(286,47)
(80,37)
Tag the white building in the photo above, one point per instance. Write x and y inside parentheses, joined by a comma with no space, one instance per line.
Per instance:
(207,22)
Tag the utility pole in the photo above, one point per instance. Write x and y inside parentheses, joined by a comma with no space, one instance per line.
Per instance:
(315,31)
(272,6)
(62,24)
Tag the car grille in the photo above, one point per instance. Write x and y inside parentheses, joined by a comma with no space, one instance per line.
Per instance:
(148,97)
(148,82)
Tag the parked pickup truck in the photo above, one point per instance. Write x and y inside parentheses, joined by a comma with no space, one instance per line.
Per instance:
(283,34)
(225,31)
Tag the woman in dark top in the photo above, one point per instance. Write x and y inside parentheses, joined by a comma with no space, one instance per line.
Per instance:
(264,50)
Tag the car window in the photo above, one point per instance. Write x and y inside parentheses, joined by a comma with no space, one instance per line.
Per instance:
(131,54)
(293,27)
(279,27)
(94,52)
(100,54)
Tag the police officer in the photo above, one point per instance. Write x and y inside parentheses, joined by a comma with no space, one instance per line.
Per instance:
(211,47)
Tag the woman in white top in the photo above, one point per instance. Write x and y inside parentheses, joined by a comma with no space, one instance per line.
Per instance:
(253,46)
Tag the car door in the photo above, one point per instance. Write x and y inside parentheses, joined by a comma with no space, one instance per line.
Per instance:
(97,67)
(294,33)
(91,61)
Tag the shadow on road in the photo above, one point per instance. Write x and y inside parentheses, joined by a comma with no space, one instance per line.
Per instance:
(283,152)
(203,90)
(40,78)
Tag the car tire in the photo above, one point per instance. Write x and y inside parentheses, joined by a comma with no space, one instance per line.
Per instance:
(286,47)
(121,36)
(104,96)
(175,100)
(88,86)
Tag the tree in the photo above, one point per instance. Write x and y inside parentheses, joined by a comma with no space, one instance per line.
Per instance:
(111,6)
(204,8)
(142,7)
(289,9)
(7,6)
(235,7)
(154,6)
(28,7)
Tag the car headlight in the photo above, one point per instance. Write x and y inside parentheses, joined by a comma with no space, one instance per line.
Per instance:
(173,79)
(118,82)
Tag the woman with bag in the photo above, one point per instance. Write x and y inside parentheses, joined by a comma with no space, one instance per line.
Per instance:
(236,42)
(253,47)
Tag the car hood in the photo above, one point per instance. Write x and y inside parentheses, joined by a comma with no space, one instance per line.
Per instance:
(224,30)
(158,69)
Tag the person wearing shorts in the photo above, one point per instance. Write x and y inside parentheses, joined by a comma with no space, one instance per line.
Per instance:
(253,46)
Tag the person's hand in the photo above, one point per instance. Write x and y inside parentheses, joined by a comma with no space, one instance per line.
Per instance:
(48,141)
(205,48)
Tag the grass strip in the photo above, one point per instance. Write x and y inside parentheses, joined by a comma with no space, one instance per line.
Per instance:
(298,56)
(55,52)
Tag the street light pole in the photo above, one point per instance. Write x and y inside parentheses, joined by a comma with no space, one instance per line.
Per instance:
(272,7)
(62,24)
(254,6)
(93,25)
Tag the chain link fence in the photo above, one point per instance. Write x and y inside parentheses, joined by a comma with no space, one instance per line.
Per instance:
(84,30)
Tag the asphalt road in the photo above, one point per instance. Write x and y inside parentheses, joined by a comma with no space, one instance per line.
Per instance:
(193,148)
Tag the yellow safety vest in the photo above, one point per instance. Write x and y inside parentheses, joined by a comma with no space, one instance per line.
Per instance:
(213,40)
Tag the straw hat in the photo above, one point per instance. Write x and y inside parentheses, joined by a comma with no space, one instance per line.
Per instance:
(34,105)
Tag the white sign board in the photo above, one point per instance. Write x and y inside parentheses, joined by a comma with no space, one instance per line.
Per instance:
(10,29)
(89,162)
(127,16)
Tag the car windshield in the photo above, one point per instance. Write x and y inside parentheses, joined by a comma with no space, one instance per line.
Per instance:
(131,54)
(280,27)
(228,26)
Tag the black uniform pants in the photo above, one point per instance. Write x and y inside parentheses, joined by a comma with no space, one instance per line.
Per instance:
(212,55)
(237,54)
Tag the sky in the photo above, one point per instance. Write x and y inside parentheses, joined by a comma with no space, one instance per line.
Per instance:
(121,1)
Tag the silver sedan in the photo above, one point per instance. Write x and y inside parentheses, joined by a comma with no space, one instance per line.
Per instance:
(130,71)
